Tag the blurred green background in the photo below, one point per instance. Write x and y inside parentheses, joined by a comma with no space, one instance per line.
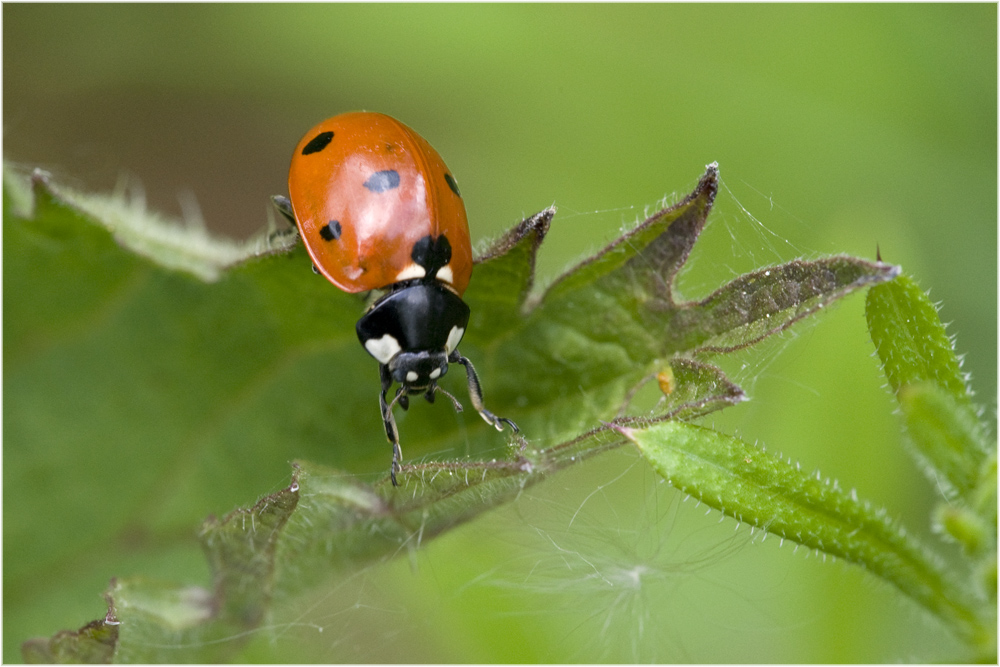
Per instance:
(837,128)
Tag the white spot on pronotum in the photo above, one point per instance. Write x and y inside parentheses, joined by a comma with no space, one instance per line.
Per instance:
(454,338)
(383,349)
(410,272)
(436,373)
(412,376)
(444,274)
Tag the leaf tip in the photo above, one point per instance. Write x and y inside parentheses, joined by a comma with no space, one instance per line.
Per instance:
(709,182)
(39,177)
(536,226)
(293,486)
(889,271)
(41,186)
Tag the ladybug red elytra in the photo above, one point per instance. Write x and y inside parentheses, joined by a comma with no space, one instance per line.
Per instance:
(378,209)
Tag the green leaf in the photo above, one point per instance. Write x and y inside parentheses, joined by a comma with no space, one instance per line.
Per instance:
(154,374)
(965,526)
(772,494)
(946,434)
(910,339)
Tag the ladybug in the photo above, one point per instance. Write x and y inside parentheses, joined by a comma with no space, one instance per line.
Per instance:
(378,209)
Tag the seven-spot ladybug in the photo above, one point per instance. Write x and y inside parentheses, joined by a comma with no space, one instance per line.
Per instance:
(378,209)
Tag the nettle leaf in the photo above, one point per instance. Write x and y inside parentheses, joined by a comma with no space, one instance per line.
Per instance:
(154,374)
(263,558)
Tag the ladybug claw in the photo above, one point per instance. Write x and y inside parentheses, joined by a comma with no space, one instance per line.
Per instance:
(397,456)
(497,422)
(476,394)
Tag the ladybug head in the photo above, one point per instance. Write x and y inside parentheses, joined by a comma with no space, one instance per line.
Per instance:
(413,330)
(418,371)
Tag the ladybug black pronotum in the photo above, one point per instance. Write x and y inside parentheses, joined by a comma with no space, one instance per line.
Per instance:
(378,209)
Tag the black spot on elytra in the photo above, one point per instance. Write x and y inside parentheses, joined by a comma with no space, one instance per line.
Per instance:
(381,181)
(432,254)
(318,143)
(452,184)
(330,231)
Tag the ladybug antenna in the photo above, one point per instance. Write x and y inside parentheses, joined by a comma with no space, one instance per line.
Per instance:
(400,393)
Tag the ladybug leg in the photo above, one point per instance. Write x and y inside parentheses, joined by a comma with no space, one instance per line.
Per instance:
(283,237)
(390,424)
(476,394)
(389,421)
